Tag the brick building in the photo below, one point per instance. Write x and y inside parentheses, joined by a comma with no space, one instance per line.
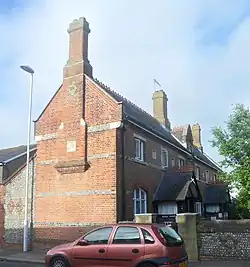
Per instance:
(100,158)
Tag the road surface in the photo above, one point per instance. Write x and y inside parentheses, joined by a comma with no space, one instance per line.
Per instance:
(203,264)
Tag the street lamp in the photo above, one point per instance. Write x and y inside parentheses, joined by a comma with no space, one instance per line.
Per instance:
(26,226)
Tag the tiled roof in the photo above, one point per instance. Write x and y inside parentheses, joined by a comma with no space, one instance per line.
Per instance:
(147,121)
(201,156)
(141,117)
(8,153)
(172,185)
(213,193)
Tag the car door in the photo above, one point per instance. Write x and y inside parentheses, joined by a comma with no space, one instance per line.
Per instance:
(126,247)
(94,252)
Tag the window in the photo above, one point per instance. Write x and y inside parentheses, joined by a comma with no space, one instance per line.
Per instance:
(140,201)
(198,207)
(173,163)
(207,176)
(181,162)
(100,236)
(198,172)
(212,208)
(127,235)
(164,158)
(148,239)
(168,208)
(214,177)
(139,149)
(170,235)
(154,154)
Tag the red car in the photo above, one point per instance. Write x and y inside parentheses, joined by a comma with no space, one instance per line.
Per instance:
(123,245)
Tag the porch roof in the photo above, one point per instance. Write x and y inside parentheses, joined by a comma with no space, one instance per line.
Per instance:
(214,193)
(173,186)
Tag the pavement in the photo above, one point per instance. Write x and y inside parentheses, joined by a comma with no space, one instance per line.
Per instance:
(18,264)
(14,258)
(23,257)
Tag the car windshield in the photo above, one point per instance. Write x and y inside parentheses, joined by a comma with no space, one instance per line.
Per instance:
(170,235)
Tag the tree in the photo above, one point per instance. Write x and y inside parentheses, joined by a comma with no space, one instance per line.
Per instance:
(233,143)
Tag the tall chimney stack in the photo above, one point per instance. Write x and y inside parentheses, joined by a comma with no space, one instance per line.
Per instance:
(78,61)
(160,108)
(196,132)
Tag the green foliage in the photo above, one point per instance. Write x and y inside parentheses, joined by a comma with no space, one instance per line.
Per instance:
(238,211)
(233,143)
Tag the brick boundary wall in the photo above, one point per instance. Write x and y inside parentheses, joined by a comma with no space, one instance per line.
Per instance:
(229,239)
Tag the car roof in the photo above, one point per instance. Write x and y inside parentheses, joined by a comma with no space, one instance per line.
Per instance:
(132,224)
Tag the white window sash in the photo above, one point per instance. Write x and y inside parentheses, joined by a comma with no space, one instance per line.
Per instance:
(207,176)
(198,207)
(198,173)
(168,208)
(164,157)
(142,199)
(139,149)
(213,208)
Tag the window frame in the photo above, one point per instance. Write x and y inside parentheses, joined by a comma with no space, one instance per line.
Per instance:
(96,230)
(142,201)
(173,162)
(154,154)
(168,208)
(117,229)
(197,168)
(141,142)
(213,208)
(207,176)
(144,237)
(164,150)
(198,207)
(180,159)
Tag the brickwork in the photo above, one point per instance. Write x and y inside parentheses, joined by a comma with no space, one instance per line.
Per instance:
(146,175)
(224,239)
(14,193)
(76,152)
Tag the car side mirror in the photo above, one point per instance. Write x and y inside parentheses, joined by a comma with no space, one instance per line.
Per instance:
(82,242)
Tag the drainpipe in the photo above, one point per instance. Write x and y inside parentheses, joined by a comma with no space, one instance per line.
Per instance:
(1,172)
(123,191)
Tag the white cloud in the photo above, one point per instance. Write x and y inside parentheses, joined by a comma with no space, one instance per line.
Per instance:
(198,50)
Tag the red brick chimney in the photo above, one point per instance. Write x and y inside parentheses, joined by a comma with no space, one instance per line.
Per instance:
(72,133)
(78,61)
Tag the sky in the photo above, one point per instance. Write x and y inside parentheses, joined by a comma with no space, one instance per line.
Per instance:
(199,51)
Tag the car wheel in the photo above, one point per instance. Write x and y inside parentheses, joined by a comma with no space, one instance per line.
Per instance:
(59,262)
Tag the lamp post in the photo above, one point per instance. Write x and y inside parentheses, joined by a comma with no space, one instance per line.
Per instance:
(26,226)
